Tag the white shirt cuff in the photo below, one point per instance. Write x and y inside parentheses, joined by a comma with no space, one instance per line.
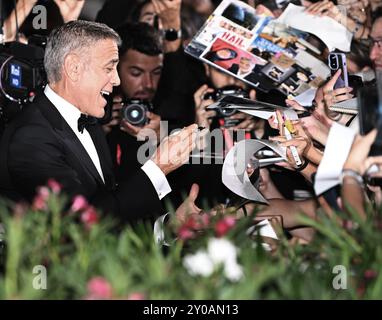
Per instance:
(157,178)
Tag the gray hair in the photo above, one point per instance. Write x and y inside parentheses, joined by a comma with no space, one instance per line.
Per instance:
(74,36)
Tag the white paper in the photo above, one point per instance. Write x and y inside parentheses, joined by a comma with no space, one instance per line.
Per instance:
(289,113)
(306,98)
(351,104)
(266,229)
(306,60)
(336,152)
(332,33)
(234,173)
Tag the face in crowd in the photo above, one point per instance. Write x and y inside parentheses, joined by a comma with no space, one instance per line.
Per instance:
(220,79)
(147,14)
(376,45)
(140,74)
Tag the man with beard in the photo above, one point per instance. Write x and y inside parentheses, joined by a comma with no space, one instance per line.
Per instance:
(140,68)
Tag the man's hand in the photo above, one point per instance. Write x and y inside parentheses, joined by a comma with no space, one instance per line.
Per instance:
(359,153)
(174,150)
(203,117)
(169,12)
(150,130)
(70,9)
(326,8)
(116,115)
(313,127)
(248,122)
(188,207)
(332,96)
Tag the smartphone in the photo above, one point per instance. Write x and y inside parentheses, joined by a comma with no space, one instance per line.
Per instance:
(337,61)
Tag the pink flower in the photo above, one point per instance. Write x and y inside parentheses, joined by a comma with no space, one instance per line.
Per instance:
(43,192)
(197,222)
(79,203)
(41,198)
(89,217)
(370,274)
(39,203)
(54,186)
(225,225)
(185,233)
(99,288)
(136,296)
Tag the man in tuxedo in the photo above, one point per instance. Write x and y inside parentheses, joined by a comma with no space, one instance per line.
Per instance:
(58,137)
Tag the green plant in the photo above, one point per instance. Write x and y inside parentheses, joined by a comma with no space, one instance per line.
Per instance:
(85,258)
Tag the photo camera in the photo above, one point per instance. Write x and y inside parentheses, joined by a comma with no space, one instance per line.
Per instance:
(223,92)
(134,111)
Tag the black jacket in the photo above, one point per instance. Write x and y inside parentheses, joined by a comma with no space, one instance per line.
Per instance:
(39,144)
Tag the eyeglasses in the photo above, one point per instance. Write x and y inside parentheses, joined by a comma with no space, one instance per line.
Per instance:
(372,42)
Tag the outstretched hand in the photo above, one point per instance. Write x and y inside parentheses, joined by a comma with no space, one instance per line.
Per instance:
(70,9)
(188,207)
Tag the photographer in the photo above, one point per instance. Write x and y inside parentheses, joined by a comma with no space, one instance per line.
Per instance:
(219,81)
(208,176)
(140,68)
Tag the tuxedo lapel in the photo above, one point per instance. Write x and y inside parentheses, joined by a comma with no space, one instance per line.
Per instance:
(67,135)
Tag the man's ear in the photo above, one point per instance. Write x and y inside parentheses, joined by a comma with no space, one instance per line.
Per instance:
(73,66)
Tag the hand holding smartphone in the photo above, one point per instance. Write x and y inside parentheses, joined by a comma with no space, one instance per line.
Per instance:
(337,61)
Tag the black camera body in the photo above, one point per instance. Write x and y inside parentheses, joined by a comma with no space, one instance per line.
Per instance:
(22,71)
(134,111)
(225,113)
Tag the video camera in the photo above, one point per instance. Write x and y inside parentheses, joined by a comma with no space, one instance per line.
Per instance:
(222,113)
(22,70)
(134,111)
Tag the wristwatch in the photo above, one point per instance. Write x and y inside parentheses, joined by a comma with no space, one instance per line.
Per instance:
(172,34)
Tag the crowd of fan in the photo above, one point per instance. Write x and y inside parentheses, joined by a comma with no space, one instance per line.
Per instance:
(157,70)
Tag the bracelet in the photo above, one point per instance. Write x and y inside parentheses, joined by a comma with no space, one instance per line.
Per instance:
(352,174)
(303,166)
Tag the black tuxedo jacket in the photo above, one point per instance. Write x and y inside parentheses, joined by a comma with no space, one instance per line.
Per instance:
(39,144)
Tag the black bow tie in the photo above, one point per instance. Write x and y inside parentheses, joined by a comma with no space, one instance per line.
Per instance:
(85,121)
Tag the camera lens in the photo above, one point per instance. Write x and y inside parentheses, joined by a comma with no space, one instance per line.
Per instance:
(227,112)
(333,62)
(135,114)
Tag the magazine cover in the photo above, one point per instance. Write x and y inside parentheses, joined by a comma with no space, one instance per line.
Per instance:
(258,50)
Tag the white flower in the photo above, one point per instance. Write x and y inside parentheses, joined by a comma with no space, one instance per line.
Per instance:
(199,264)
(233,271)
(221,250)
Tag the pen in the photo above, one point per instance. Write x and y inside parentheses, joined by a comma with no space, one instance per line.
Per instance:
(293,149)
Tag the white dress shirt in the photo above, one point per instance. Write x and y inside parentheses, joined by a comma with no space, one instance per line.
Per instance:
(71,115)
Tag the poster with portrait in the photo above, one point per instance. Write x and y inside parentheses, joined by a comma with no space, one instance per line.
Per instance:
(256,49)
